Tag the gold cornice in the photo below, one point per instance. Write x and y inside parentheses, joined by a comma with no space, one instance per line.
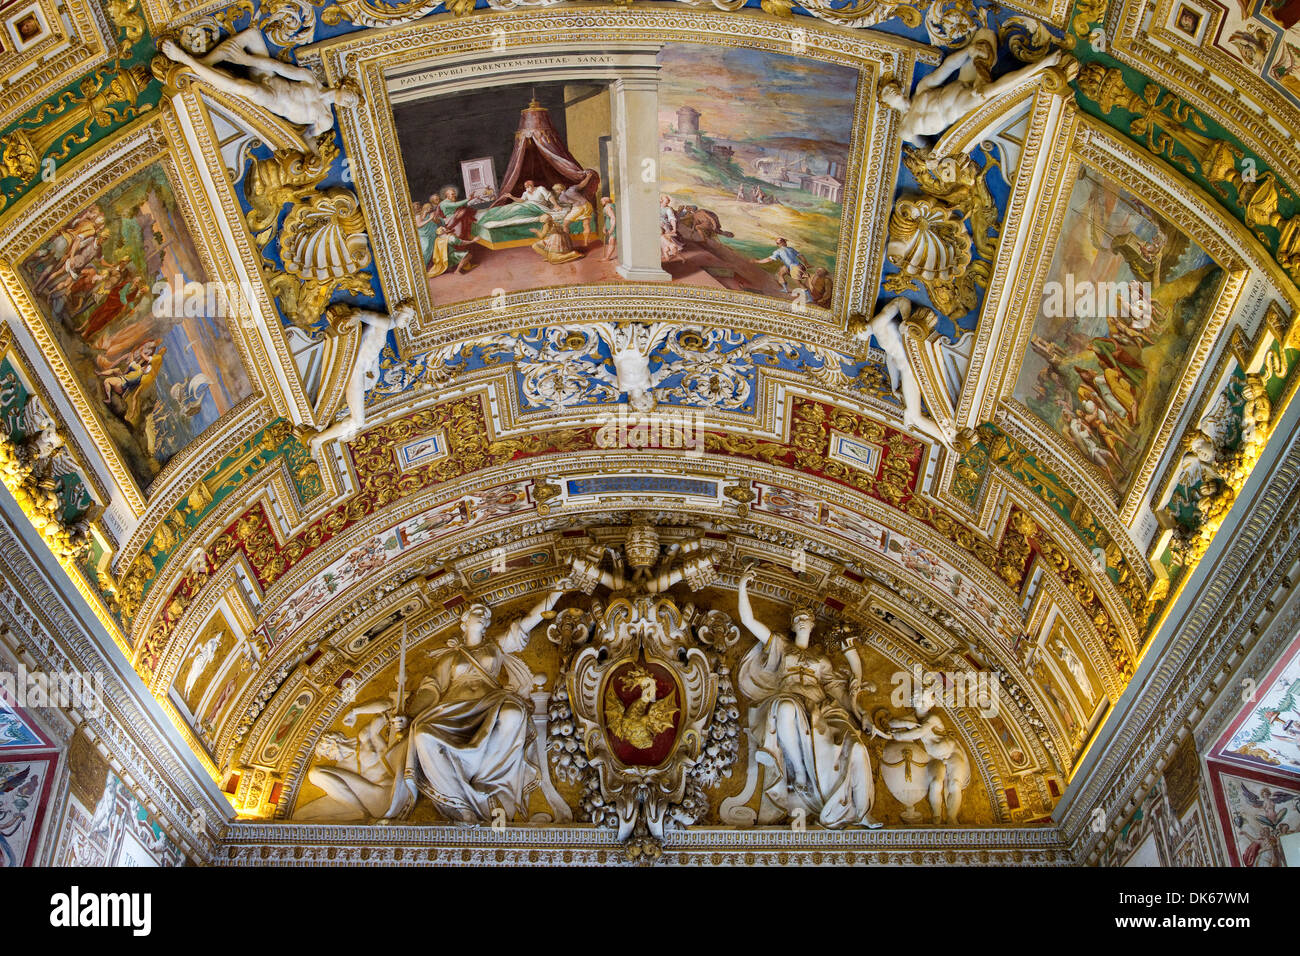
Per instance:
(1186,70)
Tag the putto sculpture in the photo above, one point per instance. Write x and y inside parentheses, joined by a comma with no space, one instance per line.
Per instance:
(888,328)
(365,366)
(939,773)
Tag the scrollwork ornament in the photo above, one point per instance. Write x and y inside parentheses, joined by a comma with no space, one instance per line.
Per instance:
(288,22)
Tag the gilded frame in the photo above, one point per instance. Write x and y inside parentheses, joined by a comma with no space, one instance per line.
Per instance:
(156,138)
(38,70)
(380,182)
(1085,142)
(1141,40)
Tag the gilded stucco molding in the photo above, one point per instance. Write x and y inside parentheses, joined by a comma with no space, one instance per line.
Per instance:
(1244,104)
(42,68)
(1097,148)
(313,845)
(59,642)
(370,135)
(1220,619)
(151,140)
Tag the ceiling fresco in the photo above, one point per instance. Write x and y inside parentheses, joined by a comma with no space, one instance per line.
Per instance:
(487,413)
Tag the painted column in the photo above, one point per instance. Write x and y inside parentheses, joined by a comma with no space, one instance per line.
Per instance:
(636,130)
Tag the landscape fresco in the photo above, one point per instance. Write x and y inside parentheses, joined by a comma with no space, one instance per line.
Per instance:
(753,147)
(515,187)
(1099,368)
(158,380)
(1271,737)
(507,187)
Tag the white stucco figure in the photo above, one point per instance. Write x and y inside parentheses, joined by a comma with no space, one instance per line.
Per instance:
(44,441)
(289,91)
(1065,654)
(629,348)
(44,448)
(364,369)
(652,571)
(1199,459)
(199,663)
(806,727)
(632,372)
(944,774)
(469,744)
(942,98)
(358,778)
(887,329)
(1256,416)
(106,815)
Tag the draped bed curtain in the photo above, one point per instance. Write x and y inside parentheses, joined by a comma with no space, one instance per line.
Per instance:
(541,155)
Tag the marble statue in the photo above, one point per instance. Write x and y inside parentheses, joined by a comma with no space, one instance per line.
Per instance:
(941,99)
(942,776)
(291,92)
(364,368)
(358,780)
(468,745)
(887,329)
(805,726)
(1065,654)
(199,663)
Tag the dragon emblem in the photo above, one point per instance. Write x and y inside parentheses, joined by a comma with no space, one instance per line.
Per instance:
(645,718)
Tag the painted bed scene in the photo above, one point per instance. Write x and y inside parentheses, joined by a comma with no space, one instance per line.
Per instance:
(510,187)
(754,151)
(1126,297)
(158,378)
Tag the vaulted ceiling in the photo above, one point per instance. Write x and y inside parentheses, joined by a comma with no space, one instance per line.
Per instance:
(183,263)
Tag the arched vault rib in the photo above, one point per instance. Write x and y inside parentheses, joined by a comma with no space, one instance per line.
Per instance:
(473,549)
(255,533)
(435,619)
